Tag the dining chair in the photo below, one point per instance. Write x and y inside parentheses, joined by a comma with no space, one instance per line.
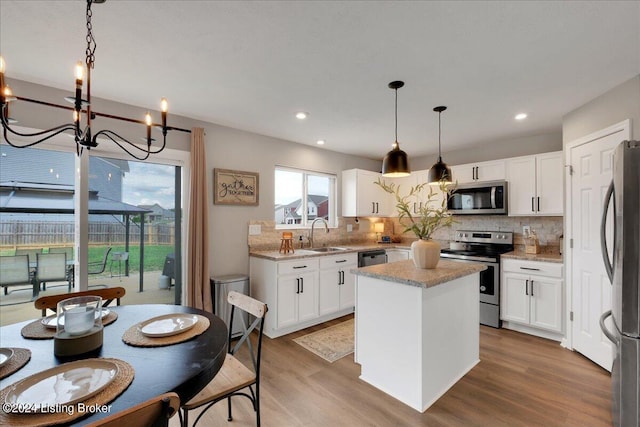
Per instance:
(234,376)
(97,267)
(51,268)
(108,295)
(154,412)
(70,268)
(14,270)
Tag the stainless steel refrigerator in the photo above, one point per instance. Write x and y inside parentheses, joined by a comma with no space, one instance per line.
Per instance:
(624,274)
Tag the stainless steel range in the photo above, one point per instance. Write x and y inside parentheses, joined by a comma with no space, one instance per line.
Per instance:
(483,247)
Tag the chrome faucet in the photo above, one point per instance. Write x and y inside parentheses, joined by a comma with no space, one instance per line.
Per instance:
(326,226)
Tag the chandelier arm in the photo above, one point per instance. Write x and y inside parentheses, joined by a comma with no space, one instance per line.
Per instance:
(112,136)
(164,143)
(55,131)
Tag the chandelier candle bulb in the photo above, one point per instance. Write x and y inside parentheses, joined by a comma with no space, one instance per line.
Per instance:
(147,118)
(164,107)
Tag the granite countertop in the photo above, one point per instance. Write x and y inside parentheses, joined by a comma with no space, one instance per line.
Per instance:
(405,272)
(306,253)
(542,257)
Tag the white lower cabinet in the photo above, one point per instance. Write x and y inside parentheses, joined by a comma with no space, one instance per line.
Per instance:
(297,298)
(337,283)
(299,293)
(531,294)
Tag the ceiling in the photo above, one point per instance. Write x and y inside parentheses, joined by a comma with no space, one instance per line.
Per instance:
(253,65)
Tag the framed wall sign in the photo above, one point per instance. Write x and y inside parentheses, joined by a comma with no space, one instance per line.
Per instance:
(232,187)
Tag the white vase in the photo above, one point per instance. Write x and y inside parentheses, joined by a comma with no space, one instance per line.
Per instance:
(426,253)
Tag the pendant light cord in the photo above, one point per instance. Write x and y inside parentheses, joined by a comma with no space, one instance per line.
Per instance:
(397,118)
(439,136)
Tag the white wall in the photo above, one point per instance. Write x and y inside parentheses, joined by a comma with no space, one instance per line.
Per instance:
(618,104)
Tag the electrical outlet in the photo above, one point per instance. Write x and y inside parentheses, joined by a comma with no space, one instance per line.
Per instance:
(526,230)
(349,228)
(255,229)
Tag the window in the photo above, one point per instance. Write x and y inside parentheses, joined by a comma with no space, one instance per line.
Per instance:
(302,196)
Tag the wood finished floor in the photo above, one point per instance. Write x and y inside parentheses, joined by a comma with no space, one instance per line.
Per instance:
(520,381)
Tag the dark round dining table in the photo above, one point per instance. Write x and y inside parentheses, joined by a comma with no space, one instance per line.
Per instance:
(184,368)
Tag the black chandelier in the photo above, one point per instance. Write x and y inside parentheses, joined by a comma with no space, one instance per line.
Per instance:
(83,136)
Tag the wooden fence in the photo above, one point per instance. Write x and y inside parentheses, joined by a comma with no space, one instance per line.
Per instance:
(43,234)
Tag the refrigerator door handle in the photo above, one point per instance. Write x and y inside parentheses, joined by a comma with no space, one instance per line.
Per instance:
(604,329)
(603,232)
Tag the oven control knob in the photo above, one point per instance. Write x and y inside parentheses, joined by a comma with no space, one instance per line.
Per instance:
(483,288)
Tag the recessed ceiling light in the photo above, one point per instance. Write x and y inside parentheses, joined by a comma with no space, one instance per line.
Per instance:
(301,115)
(320,142)
(521,116)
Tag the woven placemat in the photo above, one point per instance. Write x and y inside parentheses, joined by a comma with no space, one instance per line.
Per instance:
(20,358)
(134,337)
(37,331)
(72,412)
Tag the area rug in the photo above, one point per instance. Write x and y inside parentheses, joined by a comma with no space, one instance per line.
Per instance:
(331,343)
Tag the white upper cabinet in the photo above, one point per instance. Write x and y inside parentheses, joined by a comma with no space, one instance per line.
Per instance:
(536,184)
(361,197)
(481,171)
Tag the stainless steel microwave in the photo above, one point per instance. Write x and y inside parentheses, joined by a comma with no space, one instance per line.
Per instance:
(479,198)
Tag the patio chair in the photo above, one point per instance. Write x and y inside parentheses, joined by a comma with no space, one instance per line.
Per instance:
(234,376)
(97,267)
(51,268)
(108,295)
(69,251)
(14,271)
(32,253)
(152,413)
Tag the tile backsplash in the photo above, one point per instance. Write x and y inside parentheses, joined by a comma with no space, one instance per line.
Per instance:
(548,229)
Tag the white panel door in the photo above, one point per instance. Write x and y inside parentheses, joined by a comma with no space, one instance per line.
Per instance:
(592,173)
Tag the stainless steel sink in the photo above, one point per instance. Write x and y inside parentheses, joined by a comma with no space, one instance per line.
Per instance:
(327,249)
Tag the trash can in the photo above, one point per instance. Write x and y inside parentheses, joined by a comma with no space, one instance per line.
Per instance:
(164,282)
(220,288)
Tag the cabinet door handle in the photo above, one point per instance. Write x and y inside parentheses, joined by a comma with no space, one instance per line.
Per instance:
(377,208)
(339,278)
(476,172)
(526,288)
(301,285)
(414,208)
(299,266)
(538,203)
(533,209)
(341,260)
(531,287)
(529,268)
(298,285)
(373,207)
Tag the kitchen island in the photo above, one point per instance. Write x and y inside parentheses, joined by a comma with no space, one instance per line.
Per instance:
(417,331)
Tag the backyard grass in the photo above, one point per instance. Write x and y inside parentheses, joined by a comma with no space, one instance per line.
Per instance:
(154,256)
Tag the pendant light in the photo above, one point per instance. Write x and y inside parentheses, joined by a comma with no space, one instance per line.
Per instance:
(396,164)
(439,172)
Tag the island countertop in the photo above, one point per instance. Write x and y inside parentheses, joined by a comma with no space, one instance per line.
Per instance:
(405,272)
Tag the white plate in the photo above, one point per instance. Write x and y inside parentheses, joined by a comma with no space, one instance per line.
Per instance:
(50,321)
(63,385)
(167,325)
(5,355)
